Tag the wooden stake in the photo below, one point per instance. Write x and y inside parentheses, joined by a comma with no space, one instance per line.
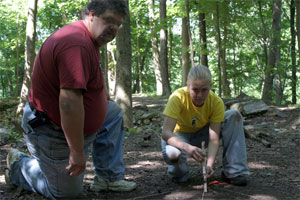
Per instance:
(204,169)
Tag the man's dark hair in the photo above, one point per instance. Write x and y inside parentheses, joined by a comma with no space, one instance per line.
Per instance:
(100,6)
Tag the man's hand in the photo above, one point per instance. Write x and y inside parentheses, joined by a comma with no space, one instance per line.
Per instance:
(196,153)
(76,163)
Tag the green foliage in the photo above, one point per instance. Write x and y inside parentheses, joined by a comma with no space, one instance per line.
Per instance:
(14,136)
(245,56)
(12,38)
(54,14)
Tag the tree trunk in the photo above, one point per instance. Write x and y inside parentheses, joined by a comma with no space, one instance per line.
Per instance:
(274,57)
(111,68)
(2,83)
(293,52)
(164,49)
(10,83)
(123,71)
(203,41)
(104,65)
(29,53)
(234,77)
(185,50)
(155,52)
(138,63)
(263,26)
(142,66)
(298,25)
(226,89)
(170,57)
(187,8)
(17,77)
(219,47)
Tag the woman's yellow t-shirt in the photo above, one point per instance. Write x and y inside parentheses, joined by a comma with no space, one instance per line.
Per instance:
(189,117)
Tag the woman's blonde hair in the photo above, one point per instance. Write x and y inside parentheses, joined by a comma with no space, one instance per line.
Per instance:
(199,72)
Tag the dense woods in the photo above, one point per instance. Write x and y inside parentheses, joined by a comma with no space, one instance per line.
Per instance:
(251,46)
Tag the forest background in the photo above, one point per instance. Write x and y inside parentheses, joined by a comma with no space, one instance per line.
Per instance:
(251,47)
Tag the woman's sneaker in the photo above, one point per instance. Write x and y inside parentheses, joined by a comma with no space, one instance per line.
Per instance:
(240,180)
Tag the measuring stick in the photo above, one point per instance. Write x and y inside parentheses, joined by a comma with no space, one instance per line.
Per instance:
(204,169)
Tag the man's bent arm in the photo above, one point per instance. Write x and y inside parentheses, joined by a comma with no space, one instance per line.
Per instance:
(72,122)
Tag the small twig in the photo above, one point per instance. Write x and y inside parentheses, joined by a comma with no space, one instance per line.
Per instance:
(204,169)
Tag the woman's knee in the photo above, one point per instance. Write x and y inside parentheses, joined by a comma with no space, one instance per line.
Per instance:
(233,114)
(172,154)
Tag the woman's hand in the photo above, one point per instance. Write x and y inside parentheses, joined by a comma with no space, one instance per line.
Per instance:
(196,153)
(209,171)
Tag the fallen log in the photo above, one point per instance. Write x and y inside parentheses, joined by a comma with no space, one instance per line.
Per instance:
(258,139)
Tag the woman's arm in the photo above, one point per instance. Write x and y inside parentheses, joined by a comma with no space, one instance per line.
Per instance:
(213,145)
(168,135)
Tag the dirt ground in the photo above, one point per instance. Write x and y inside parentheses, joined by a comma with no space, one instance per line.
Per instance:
(275,173)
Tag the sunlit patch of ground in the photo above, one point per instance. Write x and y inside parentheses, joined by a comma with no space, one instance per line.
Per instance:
(261,165)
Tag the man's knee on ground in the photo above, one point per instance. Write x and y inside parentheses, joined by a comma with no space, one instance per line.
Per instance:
(69,192)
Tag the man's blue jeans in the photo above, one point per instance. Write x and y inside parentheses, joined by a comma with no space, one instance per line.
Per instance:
(234,148)
(45,171)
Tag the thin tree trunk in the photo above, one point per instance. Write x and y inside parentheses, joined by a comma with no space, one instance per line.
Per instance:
(185,51)
(105,66)
(155,51)
(111,68)
(123,71)
(203,41)
(263,26)
(164,49)
(265,45)
(141,69)
(226,89)
(293,52)
(142,59)
(279,84)
(234,78)
(187,8)
(138,63)
(2,83)
(170,57)
(10,83)
(63,17)
(298,25)
(29,53)
(17,90)
(219,47)
(274,57)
